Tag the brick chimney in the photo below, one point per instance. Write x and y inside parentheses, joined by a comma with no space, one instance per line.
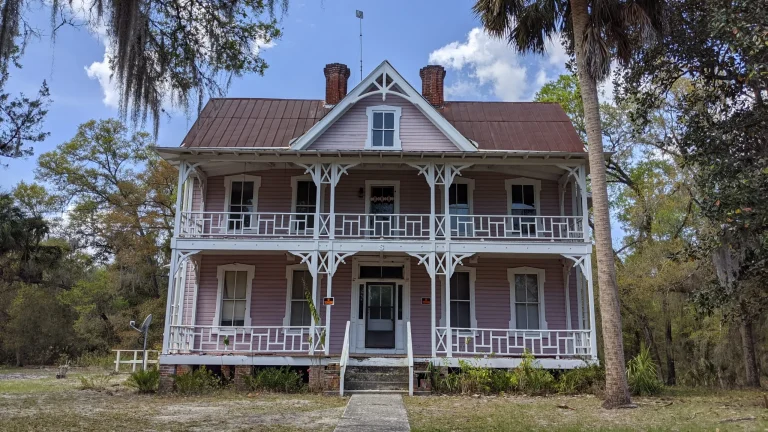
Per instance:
(336,76)
(432,78)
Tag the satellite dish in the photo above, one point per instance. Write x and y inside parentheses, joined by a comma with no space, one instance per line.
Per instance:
(145,325)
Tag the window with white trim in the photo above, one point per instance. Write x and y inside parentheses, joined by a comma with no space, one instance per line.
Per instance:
(523,200)
(306,204)
(527,298)
(299,312)
(460,206)
(461,300)
(383,128)
(234,295)
(241,198)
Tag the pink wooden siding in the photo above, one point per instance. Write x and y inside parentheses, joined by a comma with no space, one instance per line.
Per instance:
(417,133)
(492,295)
(490,195)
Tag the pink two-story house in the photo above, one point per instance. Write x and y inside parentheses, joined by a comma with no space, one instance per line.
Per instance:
(418,229)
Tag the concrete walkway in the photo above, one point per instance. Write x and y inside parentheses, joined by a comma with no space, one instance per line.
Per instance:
(374,413)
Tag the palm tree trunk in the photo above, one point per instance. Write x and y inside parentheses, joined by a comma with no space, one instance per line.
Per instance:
(616,389)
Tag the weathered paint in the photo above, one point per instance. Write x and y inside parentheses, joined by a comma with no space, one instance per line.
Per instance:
(417,133)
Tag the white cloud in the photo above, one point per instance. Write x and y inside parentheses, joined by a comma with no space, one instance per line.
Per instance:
(102,72)
(258,45)
(484,65)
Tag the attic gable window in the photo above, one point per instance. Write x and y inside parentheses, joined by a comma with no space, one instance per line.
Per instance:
(383,128)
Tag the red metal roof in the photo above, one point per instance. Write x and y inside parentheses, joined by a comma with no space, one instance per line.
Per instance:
(525,126)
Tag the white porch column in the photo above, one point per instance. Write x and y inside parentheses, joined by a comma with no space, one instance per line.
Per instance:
(170,299)
(567,283)
(591,294)
(584,205)
(447,305)
(328,264)
(432,292)
(312,259)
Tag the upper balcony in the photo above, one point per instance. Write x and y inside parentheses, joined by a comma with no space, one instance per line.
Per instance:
(378,226)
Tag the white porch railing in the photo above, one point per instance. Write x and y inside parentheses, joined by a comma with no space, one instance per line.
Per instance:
(513,343)
(377,226)
(410,359)
(344,360)
(279,339)
(516,227)
(270,225)
(391,226)
(135,358)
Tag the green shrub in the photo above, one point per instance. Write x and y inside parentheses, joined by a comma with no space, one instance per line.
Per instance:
(589,379)
(282,380)
(503,381)
(200,381)
(642,376)
(95,382)
(95,359)
(532,378)
(145,381)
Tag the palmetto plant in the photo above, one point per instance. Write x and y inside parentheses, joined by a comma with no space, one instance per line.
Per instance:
(596,32)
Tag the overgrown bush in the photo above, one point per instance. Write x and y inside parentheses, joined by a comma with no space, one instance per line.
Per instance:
(199,381)
(589,379)
(532,378)
(94,382)
(503,381)
(282,379)
(642,374)
(145,381)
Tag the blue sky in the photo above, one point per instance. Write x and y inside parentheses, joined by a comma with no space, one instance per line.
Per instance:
(410,34)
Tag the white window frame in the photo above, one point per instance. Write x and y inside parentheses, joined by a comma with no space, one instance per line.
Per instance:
(523,181)
(220,273)
(288,290)
(540,273)
(446,308)
(295,187)
(228,194)
(396,143)
(369,183)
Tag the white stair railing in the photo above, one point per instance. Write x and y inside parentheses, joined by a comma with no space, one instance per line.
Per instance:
(410,360)
(345,359)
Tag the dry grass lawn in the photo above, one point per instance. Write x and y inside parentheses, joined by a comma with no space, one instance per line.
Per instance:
(678,410)
(33,400)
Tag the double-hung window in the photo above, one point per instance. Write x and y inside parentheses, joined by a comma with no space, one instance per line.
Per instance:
(383,128)
(305,206)
(299,313)
(234,295)
(523,202)
(241,197)
(459,207)
(527,298)
(461,300)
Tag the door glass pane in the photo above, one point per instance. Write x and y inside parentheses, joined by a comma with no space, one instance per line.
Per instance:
(386,296)
(460,314)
